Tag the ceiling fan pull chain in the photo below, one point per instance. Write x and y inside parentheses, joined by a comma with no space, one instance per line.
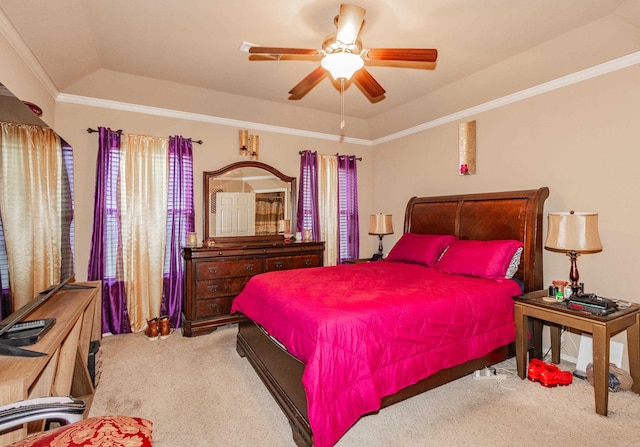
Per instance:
(341,103)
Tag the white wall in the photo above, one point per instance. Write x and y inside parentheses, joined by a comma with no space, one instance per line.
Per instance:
(581,141)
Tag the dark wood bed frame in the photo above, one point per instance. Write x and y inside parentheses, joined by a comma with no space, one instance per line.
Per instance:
(502,215)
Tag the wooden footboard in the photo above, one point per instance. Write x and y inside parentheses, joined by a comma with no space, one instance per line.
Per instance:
(282,374)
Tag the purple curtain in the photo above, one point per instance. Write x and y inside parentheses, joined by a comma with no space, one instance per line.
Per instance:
(348,227)
(308,214)
(180,221)
(105,261)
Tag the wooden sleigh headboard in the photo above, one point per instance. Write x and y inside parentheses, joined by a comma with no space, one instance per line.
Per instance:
(500,215)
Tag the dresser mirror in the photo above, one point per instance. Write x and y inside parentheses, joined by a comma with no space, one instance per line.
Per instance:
(249,201)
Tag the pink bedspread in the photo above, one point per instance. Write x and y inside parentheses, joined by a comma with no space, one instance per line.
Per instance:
(367,330)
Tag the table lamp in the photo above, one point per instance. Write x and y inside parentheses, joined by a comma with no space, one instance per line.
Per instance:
(573,233)
(380,224)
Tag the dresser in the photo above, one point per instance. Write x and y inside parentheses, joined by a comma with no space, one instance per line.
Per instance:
(215,275)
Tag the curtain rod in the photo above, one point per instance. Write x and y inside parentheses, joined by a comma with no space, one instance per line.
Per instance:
(90,130)
(357,158)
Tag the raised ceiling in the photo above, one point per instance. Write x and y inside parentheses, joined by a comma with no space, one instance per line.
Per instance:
(520,43)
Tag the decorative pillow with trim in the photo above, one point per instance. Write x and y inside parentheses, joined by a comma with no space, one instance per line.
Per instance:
(482,259)
(417,248)
(514,263)
(112,431)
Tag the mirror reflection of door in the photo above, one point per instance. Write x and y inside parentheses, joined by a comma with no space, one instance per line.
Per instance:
(235,213)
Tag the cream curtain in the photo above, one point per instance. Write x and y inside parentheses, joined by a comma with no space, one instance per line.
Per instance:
(328,206)
(144,171)
(31,167)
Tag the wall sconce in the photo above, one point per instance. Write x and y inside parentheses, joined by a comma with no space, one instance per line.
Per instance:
(380,224)
(249,144)
(254,144)
(244,142)
(467,148)
(573,233)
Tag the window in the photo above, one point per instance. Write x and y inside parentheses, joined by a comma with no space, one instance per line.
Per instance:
(347,242)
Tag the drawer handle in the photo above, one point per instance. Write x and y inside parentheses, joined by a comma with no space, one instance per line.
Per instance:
(212,306)
(307,262)
(213,270)
(249,267)
(213,288)
(279,264)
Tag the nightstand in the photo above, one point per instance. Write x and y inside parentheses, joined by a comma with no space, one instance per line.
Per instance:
(556,315)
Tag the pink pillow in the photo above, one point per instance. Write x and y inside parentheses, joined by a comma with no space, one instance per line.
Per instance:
(483,259)
(417,248)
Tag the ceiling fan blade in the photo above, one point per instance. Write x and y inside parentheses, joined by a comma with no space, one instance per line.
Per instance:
(311,80)
(280,50)
(265,57)
(401,54)
(349,23)
(368,84)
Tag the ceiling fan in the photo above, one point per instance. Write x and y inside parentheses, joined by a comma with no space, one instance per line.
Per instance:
(343,56)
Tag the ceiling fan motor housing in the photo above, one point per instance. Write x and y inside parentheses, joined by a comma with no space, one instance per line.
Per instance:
(331,45)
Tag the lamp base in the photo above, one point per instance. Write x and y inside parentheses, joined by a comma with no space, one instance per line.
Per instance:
(574,276)
(378,256)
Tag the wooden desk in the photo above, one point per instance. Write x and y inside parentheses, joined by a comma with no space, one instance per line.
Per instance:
(63,371)
(531,305)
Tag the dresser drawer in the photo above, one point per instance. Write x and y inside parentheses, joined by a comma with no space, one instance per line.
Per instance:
(228,268)
(293,262)
(214,288)
(213,307)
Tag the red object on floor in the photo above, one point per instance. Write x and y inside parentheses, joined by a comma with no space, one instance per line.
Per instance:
(548,374)
(536,366)
(552,376)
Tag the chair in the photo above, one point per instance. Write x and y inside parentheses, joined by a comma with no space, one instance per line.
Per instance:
(75,431)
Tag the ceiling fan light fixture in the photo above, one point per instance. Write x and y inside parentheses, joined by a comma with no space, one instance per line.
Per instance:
(342,65)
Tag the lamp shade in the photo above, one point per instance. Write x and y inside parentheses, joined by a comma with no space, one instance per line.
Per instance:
(380,224)
(342,65)
(573,231)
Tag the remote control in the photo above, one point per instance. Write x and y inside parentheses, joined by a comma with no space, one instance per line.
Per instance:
(26,325)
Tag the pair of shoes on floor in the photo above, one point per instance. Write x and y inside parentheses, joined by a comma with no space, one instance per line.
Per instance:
(159,327)
(548,374)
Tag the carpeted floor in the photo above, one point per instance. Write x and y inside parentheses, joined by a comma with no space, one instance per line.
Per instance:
(199,392)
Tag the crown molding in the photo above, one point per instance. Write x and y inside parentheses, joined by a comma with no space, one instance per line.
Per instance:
(177,114)
(589,73)
(24,52)
(592,72)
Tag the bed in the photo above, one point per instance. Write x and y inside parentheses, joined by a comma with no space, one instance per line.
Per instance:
(352,345)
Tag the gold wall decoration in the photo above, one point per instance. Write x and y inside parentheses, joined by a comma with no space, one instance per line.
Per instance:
(249,145)
(467,148)
(244,142)
(254,144)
